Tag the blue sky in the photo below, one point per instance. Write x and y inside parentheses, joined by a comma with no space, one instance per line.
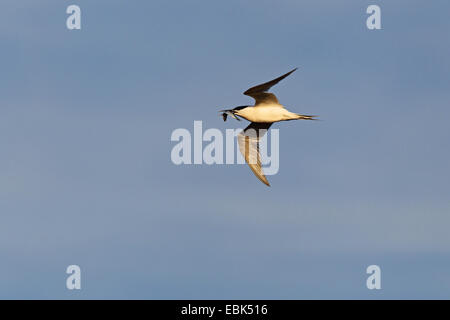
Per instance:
(86,177)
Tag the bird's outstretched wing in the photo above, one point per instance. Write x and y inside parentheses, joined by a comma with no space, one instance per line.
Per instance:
(248,140)
(260,94)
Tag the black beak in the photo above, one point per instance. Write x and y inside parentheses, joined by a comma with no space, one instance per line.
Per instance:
(226,113)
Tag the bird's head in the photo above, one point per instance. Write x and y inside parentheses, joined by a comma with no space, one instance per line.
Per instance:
(232,112)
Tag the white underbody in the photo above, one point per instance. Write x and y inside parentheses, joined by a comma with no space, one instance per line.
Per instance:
(267,113)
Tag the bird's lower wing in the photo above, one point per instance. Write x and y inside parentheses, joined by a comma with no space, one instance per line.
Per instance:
(248,140)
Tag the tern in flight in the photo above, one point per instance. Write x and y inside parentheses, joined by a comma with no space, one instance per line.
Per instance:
(266,111)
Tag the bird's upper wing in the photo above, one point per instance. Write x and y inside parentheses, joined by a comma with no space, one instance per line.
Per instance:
(248,140)
(260,94)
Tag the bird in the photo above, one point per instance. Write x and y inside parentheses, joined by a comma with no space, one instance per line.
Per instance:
(266,110)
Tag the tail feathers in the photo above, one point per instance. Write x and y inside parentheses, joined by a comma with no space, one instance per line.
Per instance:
(303,117)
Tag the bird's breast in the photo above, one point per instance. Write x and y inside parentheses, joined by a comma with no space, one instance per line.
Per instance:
(272,113)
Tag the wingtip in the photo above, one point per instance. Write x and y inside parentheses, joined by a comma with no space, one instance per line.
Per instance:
(265,181)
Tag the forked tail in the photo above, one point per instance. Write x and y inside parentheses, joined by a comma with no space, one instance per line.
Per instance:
(303,117)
